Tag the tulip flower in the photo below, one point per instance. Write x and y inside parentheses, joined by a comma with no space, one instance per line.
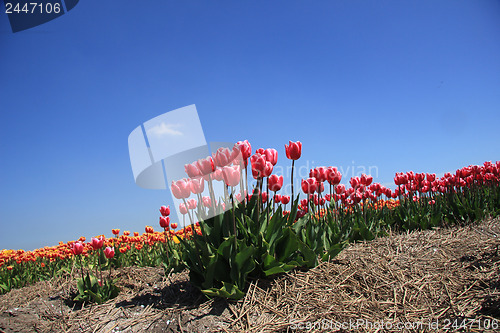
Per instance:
(183,209)
(97,243)
(149,229)
(109,252)
(217,175)
(222,157)
(192,170)
(231,175)
(192,204)
(293,150)
(309,185)
(275,183)
(115,231)
(366,180)
(207,202)
(164,222)
(319,173)
(181,189)
(164,211)
(77,248)
(174,225)
(268,170)
(340,189)
(245,149)
(285,199)
(271,156)
(258,162)
(197,185)
(206,165)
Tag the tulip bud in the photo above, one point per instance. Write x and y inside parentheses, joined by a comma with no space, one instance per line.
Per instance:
(275,183)
(109,252)
(164,210)
(293,150)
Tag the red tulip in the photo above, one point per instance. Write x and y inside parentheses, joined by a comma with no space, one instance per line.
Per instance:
(354,182)
(149,229)
(109,252)
(339,189)
(245,148)
(165,210)
(164,222)
(285,199)
(264,197)
(77,248)
(366,180)
(319,173)
(97,242)
(181,188)
(197,185)
(309,185)
(258,165)
(174,225)
(269,169)
(320,187)
(431,177)
(333,176)
(293,150)
(275,183)
(277,198)
(231,175)
(115,231)
(271,155)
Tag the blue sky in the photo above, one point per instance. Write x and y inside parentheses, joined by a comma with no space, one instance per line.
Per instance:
(399,85)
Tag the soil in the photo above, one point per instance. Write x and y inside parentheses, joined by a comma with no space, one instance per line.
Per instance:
(436,280)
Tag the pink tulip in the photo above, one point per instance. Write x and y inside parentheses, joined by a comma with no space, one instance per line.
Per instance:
(183,209)
(192,170)
(181,188)
(77,248)
(97,242)
(207,202)
(222,157)
(218,175)
(197,185)
(109,252)
(231,175)
(206,165)
(191,204)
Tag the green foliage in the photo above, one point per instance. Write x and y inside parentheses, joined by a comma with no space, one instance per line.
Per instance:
(91,290)
(221,262)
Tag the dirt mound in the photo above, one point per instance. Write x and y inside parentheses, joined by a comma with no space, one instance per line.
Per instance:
(436,280)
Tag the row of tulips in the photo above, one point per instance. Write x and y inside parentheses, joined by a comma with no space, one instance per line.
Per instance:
(251,233)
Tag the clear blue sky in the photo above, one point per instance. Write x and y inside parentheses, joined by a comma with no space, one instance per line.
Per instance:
(400,85)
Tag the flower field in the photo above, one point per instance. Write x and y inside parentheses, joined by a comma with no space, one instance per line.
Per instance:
(251,233)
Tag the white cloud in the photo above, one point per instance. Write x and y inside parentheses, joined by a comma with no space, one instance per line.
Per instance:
(165,129)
